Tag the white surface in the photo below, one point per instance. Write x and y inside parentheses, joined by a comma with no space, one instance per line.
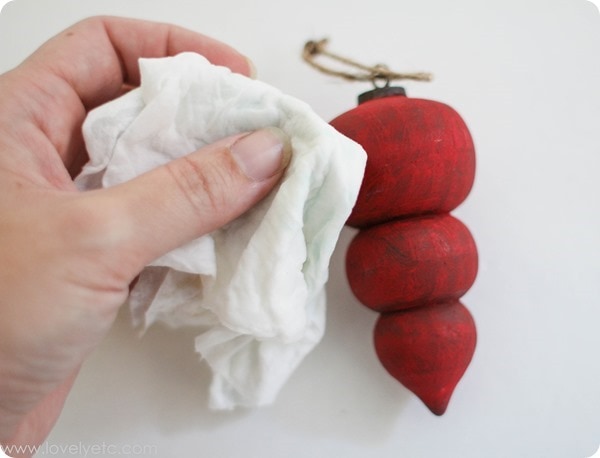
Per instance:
(524,75)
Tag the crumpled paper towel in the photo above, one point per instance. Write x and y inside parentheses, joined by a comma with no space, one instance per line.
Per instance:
(255,288)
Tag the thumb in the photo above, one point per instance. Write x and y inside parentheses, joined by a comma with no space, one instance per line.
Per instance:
(198,193)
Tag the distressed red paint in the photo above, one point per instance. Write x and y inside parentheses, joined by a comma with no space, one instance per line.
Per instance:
(427,349)
(420,158)
(411,260)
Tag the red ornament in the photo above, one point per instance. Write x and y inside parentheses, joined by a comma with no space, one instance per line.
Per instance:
(411,260)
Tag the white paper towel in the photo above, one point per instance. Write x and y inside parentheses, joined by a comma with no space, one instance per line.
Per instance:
(256,288)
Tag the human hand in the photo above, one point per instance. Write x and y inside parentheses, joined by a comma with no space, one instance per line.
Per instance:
(68,257)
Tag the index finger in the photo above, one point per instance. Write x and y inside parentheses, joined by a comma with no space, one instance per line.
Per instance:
(98,55)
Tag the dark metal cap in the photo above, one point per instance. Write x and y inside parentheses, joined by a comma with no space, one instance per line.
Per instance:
(381,92)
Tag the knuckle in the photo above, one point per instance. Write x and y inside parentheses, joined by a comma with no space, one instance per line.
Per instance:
(203,186)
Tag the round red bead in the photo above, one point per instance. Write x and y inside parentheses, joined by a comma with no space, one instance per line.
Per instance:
(411,262)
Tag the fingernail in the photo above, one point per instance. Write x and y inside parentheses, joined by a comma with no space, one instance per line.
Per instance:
(251,68)
(262,153)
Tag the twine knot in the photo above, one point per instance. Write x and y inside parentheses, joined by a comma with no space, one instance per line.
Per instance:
(374,73)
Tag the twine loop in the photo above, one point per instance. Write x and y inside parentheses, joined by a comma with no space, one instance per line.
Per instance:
(375,73)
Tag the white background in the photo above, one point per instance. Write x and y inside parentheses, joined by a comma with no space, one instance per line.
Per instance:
(525,76)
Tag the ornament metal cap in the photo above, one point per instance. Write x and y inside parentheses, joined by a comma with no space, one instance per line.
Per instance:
(381,92)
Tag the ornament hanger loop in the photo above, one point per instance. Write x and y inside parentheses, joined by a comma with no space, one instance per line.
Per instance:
(379,72)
